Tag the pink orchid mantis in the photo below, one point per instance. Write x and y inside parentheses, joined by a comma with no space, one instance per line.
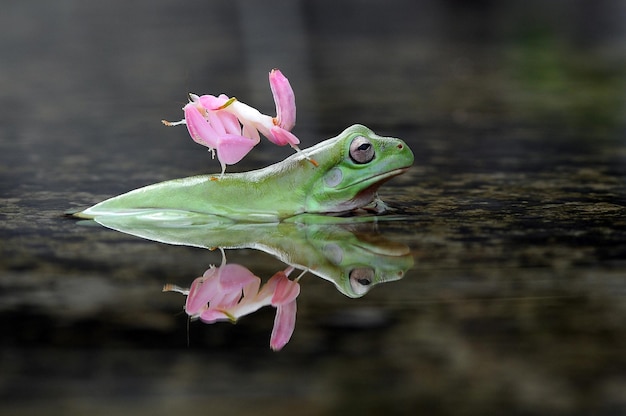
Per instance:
(231,128)
(230,291)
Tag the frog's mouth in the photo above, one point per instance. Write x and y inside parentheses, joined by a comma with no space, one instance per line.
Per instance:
(377,180)
(368,188)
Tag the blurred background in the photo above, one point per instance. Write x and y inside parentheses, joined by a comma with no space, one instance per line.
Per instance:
(516,207)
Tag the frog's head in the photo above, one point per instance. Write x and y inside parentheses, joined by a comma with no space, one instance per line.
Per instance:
(359,163)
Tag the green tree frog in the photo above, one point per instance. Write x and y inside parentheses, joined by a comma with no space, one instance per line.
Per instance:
(350,169)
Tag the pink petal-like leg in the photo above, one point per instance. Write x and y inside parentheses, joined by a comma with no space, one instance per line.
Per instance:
(199,128)
(286,290)
(284,98)
(284,325)
(232,148)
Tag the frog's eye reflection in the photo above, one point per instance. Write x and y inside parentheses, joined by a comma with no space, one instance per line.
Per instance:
(361,150)
(360,279)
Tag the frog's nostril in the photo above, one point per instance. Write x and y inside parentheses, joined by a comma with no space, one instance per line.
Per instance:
(400,146)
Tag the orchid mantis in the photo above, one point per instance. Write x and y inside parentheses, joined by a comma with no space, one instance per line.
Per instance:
(231,128)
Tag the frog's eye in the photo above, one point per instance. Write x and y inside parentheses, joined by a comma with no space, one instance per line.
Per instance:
(361,150)
(360,279)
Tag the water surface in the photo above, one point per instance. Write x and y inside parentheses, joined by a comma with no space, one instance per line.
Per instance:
(514,210)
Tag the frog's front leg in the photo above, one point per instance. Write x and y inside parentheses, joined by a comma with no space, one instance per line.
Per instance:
(377,206)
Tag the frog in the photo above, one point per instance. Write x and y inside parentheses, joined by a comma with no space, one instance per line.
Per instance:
(347,173)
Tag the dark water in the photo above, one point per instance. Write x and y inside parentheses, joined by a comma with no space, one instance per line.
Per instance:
(516,207)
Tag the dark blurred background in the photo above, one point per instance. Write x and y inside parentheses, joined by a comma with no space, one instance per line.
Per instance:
(516,114)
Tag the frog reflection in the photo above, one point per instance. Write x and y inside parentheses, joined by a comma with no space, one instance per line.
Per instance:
(230,291)
(355,259)
(348,252)
(345,251)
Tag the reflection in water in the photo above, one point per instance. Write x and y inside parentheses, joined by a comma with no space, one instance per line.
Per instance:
(345,251)
(230,291)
